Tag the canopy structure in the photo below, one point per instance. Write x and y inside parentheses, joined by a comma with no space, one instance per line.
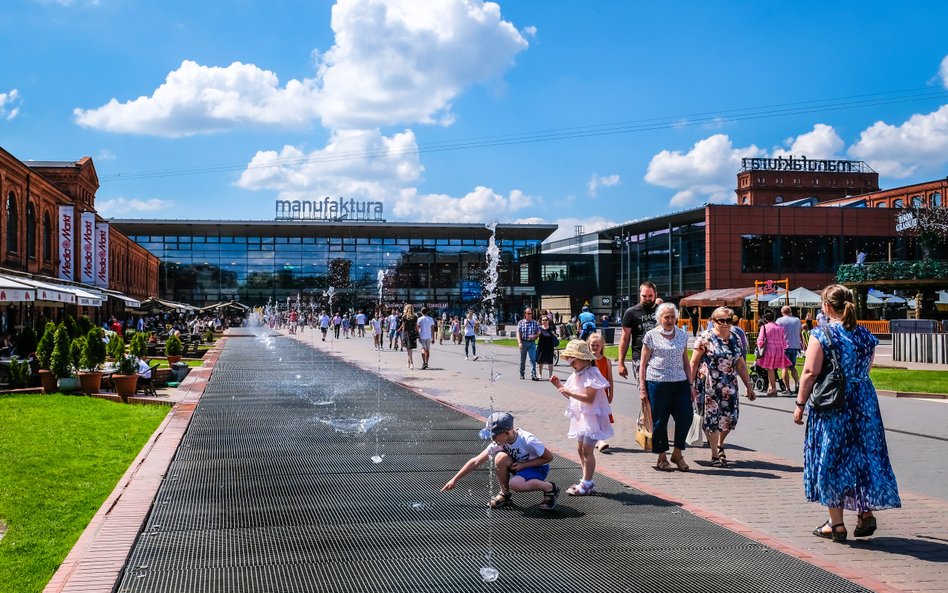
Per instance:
(13,291)
(777,298)
(723,297)
(124,298)
(231,306)
(877,298)
(49,292)
(156,304)
(802,297)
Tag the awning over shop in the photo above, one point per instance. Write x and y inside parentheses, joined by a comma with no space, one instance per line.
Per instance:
(156,304)
(126,300)
(85,298)
(49,292)
(723,297)
(13,291)
(226,306)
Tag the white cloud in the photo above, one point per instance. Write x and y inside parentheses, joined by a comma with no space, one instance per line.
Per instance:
(595,181)
(105,155)
(943,72)
(480,205)
(196,99)
(393,62)
(125,207)
(899,151)
(567,226)
(706,173)
(822,143)
(8,107)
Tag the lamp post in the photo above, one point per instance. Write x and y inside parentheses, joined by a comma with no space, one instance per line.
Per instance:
(620,242)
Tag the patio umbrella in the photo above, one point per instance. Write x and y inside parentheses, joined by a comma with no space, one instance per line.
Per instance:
(802,297)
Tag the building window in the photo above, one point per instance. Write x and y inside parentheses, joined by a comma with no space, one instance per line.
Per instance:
(13,224)
(936,200)
(916,201)
(898,203)
(47,239)
(30,231)
(881,204)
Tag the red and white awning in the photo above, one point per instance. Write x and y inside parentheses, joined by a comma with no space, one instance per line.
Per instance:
(13,291)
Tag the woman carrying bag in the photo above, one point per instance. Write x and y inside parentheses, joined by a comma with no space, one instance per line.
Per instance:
(845,457)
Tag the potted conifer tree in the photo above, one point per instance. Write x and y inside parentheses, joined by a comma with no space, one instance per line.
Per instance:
(60,362)
(173,348)
(44,354)
(126,377)
(93,355)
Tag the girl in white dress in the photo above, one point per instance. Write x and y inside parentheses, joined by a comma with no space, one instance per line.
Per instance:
(588,410)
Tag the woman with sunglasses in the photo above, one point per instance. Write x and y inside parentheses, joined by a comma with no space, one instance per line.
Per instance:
(716,362)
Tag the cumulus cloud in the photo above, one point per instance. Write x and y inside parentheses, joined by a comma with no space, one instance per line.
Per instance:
(361,164)
(822,143)
(128,207)
(480,205)
(596,181)
(920,143)
(9,107)
(567,226)
(196,99)
(393,62)
(705,173)
(943,72)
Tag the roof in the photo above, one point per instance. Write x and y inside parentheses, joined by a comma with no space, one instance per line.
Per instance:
(722,297)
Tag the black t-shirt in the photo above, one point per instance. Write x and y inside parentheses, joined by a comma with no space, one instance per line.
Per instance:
(640,320)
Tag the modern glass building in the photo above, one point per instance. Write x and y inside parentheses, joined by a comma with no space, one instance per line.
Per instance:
(441,265)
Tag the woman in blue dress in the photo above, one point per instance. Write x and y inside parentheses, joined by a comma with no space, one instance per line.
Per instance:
(845,458)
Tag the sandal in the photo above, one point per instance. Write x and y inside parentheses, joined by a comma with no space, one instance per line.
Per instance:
(716,462)
(664,466)
(549,498)
(723,459)
(602,446)
(833,534)
(680,462)
(865,526)
(581,489)
(501,500)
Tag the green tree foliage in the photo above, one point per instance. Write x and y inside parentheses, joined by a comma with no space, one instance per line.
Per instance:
(75,351)
(139,344)
(173,346)
(93,354)
(59,362)
(84,324)
(116,347)
(70,322)
(44,350)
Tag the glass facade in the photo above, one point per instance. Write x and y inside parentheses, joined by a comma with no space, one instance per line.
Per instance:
(802,254)
(446,273)
(673,257)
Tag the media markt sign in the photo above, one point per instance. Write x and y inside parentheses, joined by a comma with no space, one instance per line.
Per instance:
(328,209)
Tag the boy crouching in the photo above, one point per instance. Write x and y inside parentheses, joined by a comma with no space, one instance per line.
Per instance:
(521,460)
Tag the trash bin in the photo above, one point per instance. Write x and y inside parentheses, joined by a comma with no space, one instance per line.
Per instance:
(180,370)
(608,334)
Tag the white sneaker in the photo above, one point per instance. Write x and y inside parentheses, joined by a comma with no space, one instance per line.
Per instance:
(475,358)
(465,358)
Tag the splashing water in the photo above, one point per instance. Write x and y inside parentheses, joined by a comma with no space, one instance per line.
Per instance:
(377,458)
(489,574)
(352,426)
(380,281)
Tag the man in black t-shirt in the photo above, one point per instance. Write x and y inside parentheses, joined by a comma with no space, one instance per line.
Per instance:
(636,321)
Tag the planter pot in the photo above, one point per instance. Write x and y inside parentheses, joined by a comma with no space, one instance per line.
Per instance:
(125,385)
(174,358)
(69,384)
(91,382)
(48,381)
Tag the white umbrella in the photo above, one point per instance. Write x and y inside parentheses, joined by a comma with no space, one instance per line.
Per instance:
(803,297)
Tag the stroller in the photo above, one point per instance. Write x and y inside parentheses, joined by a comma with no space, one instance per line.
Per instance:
(758,376)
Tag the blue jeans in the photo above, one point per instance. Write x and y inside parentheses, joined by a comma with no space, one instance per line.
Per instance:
(470,340)
(528,349)
(669,399)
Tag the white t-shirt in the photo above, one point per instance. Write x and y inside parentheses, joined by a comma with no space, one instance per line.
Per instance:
(469,327)
(360,319)
(324,321)
(425,324)
(377,325)
(665,363)
(524,448)
(392,322)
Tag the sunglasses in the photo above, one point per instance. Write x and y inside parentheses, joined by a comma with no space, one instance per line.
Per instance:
(723,321)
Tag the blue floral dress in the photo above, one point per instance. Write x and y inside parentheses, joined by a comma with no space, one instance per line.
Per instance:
(845,457)
(717,381)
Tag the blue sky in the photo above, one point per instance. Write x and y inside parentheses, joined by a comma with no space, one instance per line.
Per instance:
(589,113)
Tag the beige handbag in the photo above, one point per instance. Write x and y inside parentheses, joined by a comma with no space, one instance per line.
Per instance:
(643,429)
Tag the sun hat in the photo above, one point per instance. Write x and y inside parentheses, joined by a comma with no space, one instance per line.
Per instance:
(500,422)
(578,349)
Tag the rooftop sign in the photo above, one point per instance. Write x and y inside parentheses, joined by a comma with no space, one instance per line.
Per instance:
(329,210)
(791,163)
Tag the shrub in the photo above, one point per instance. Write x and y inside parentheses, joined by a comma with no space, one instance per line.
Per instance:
(19,373)
(26,342)
(59,361)
(209,335)
(173,346)
(127,365)
(93,354)
(44,350)
(116,347)
(138,344)
(70,322)
(75,352)
(84,325)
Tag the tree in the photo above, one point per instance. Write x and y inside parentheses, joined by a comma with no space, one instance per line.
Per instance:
(60,361)
(44,350)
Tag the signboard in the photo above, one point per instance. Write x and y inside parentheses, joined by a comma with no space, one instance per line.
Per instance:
(791,163)
(86,247)
(328,209)
(67,223)
(102,254)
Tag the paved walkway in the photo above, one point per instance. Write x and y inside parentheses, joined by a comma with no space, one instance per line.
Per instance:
(760,496)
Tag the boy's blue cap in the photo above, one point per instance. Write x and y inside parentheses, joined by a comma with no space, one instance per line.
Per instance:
(500,422)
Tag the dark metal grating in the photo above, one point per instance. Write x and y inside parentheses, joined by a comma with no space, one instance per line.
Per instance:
(274,489)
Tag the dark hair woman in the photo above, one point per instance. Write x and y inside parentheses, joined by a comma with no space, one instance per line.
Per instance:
(845,459)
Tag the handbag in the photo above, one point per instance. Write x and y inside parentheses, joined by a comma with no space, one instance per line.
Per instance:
(829,390)
(643,428)
(695,436)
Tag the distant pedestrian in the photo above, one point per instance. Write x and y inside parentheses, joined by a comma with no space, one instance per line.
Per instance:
(425,327)
(585,323)
(772,346)
(546,345)
(409,329)
(470,335)
(527,331)
(793,330)
(392,321)
(324,321)
(845,460)
(360,323)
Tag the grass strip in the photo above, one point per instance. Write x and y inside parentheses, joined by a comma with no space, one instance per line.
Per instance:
(60,457)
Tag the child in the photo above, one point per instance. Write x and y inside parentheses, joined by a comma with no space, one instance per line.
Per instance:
(597,345)
(521,460)
(588,410)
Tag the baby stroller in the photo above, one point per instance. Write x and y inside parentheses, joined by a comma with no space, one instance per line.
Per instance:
(758,376)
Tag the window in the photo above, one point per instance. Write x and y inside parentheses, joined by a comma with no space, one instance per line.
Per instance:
(47,239)
(30,231)
(936,200)
(881,204)
(916,201)
(13,223)
(898,203)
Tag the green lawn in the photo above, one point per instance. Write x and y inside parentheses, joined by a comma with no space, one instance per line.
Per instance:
(163,363)
(60,457)
(888,379)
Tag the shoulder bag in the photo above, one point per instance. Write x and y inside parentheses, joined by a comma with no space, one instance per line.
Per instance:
(643,429)
(829,390)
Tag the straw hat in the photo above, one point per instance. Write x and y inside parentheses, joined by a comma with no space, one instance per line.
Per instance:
(578,349)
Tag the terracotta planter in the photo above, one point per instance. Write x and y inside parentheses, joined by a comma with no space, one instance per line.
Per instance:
(174,358)
(48,380)
(91,382)
(125,385)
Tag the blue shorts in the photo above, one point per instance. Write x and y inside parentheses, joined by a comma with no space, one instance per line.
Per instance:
(538,472)
(792,354)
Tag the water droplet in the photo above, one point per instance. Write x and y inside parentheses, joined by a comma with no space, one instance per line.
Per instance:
(489,574)
(377,458)
(484,434)
(418,505)
(299,376)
